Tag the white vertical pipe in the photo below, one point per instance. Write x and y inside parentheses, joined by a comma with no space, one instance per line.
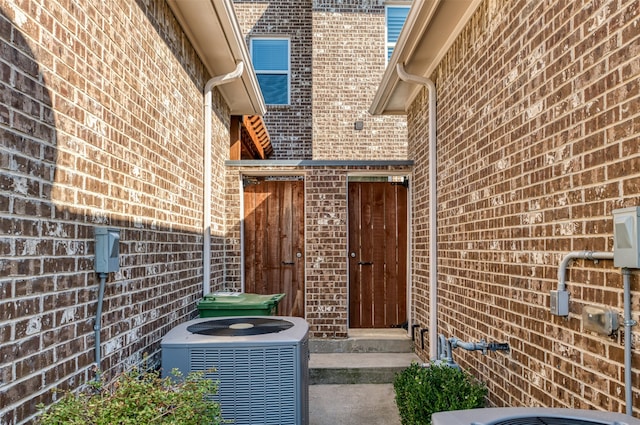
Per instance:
(97,327)
(628,324)
(433,204)
(411,309)
(206,220)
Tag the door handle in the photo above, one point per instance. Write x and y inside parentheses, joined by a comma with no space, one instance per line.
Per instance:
(365,263)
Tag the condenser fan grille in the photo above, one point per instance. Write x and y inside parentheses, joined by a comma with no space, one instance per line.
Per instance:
(239,326)
(541,420)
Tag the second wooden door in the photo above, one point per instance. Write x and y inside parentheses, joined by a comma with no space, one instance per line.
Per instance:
(377,254)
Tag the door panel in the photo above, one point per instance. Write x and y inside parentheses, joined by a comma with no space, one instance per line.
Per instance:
(274,241)
(377,254)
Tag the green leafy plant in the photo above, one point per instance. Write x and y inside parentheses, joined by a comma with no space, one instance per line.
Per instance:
(421,391)
(139,399)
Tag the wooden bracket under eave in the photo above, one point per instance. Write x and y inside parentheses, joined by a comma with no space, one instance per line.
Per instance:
(249,138)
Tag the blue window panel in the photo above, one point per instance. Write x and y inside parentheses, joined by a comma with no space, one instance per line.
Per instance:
(389,52)
(274,88)
(270,55)
(395,20)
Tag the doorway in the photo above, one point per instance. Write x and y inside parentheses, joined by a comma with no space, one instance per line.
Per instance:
(274,260)
(378,228)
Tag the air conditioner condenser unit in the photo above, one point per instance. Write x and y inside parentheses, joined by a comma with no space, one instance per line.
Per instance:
(261,365)
(531,416)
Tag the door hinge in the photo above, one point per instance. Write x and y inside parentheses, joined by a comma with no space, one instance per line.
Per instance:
(249,181)
(404,183)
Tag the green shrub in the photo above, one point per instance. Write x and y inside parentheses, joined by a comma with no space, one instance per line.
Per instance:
(423,390)
(139,399)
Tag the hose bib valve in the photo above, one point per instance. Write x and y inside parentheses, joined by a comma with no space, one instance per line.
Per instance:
(498,346)
(446,347)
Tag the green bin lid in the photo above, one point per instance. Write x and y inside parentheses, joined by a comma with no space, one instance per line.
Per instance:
(239,301)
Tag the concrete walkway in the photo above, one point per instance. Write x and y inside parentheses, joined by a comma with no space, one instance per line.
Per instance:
(352,378)
(359,404)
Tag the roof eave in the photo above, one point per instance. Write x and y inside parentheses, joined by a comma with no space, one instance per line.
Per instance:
(212,28)
(429,31)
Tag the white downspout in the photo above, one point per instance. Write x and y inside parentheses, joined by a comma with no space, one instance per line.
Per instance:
(206,227)
(433,222)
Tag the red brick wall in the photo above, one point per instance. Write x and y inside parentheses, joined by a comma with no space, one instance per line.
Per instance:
(538,121)
(349,54)
(97,130)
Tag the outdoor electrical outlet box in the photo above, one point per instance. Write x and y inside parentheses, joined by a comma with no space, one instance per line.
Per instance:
(559,303)
(107,250)
(626,238)
(601,320)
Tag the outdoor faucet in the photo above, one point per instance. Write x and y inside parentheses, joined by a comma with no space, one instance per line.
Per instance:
(469,346)
(447,346)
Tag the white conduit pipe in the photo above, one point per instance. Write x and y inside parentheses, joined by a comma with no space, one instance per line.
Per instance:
(433,198)
(97,327)
(585,255)
(628,324)
(206,230)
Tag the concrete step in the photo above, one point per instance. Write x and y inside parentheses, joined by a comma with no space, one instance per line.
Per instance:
(357,368)
(367,356)
(366,341)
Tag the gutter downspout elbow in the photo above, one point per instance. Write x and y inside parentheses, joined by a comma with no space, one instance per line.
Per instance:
(206,226)
(433,197)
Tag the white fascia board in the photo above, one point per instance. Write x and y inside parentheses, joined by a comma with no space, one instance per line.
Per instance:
(212,28)
(429,31)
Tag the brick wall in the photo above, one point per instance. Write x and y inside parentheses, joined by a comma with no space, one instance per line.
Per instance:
(289,125)
(325,238)
(337,60)
(349,54)
(96,130)
(326,259)
(538,121)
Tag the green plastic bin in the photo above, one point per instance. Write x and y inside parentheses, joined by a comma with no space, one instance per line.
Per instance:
(219,304)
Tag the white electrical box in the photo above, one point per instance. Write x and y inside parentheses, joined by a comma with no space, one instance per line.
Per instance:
(107,250)
(559,303)
(626,240)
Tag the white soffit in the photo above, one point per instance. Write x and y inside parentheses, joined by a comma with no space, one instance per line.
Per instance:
(214,32)
(429,31)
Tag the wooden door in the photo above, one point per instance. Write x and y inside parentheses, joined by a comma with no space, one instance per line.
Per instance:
(377,254)
(274,241)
